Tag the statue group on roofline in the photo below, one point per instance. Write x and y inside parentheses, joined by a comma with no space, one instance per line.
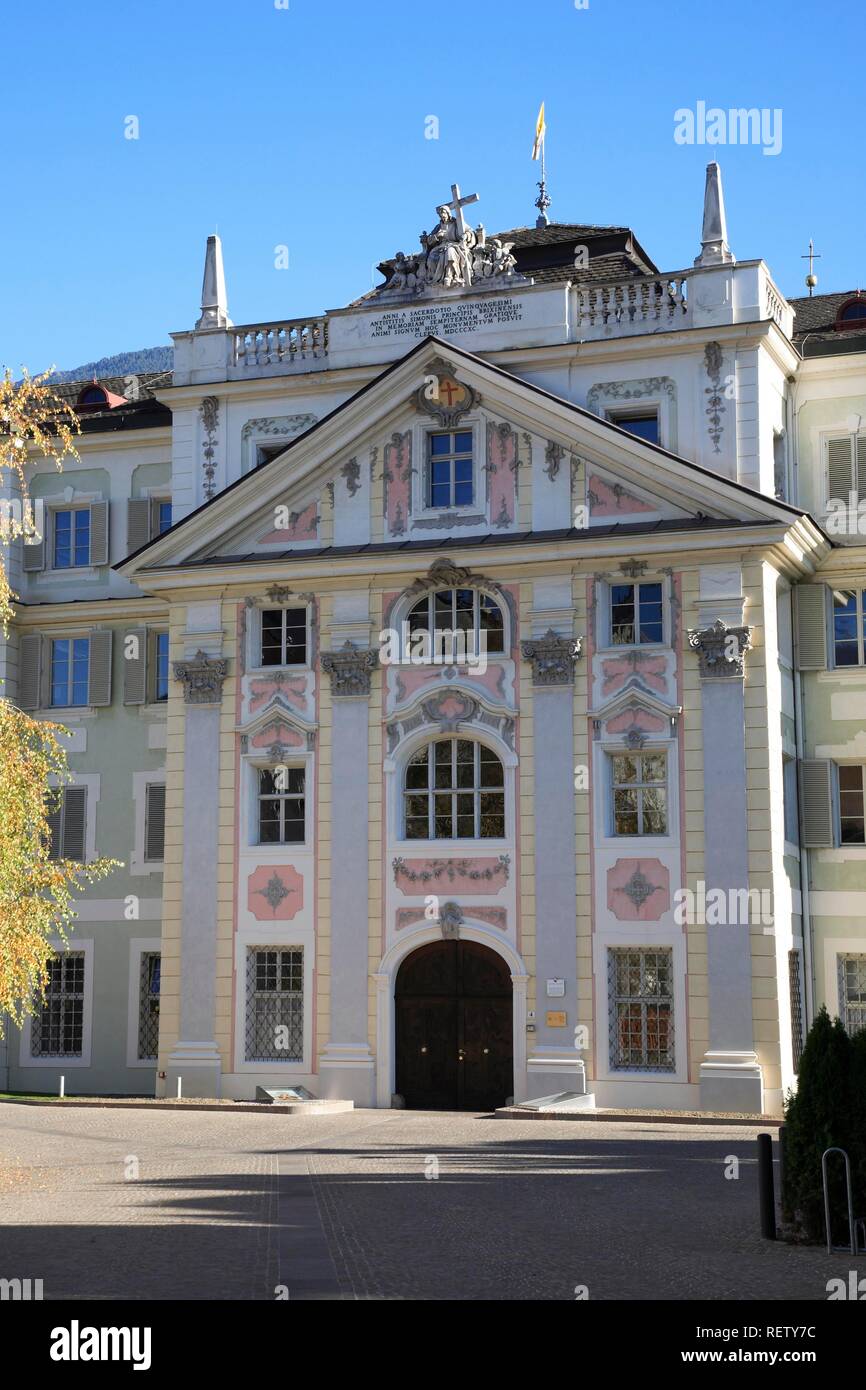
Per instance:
(449,259)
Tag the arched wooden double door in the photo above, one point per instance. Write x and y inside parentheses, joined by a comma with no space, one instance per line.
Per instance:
(454,1028)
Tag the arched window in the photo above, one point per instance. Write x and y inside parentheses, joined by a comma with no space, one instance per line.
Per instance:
(454,789)
(459,610)
(92,395)
(852,314)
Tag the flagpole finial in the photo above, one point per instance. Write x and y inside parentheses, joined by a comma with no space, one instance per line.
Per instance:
(542,202)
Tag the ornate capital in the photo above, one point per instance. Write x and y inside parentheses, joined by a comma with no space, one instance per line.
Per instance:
(202,678)
(349,669)
(721,648)
(552,658)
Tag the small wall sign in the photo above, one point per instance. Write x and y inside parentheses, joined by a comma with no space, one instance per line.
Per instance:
(556,1020)
(555,989)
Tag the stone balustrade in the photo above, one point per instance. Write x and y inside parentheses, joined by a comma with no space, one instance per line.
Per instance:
(643,304)
(295,342)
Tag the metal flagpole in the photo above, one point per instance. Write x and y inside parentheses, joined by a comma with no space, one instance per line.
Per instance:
(542,202)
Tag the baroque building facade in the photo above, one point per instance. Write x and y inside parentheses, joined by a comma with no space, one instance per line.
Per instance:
(472,682)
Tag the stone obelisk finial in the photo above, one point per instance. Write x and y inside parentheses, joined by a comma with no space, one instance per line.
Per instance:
(714,237)
(214,303)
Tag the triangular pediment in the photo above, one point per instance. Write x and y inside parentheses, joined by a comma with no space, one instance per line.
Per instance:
(352,480)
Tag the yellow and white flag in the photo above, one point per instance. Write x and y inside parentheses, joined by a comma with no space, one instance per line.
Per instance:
(540,128)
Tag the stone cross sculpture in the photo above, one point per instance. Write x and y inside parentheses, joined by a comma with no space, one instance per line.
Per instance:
(452,256)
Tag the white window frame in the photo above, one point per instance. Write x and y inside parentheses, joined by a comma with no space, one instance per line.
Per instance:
(395,771)
(843,1003)
(405,608)
(606,614)
(254,638)
(648,750)
(68,637)
(138,865)
(63,1064)
(138,947)
(249,830)
(52,511)
(290,766)
(602,781)
(636,410)
(420,490)
(859,587)
(477,790)
(838,764)
(645,395)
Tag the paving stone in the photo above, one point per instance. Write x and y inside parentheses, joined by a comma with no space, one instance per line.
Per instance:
(108,1203)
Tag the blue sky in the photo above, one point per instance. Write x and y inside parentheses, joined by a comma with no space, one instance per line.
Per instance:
(305,126)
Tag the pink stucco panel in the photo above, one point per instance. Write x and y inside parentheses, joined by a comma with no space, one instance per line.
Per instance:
(612,499)
(634,717)
(397,474)
(263,689)
(502,475)
(275,893)
(278,732)
(617,670)
(303,526)
(638,890)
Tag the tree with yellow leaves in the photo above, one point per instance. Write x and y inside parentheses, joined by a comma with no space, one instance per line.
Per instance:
(36,890)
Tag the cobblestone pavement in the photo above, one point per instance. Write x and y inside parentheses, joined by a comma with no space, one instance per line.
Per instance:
(132,1204)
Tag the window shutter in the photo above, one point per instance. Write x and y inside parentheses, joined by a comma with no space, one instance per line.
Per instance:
(99,533)
(135,668)
(29,666)
(55,817)
(99,689)
(840,469)
(810,601)
(34,555)
(816,803)
(154,823)
(137,523)
(861,468)
(74,821)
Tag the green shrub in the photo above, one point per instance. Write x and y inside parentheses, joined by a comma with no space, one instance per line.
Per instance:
(821,1116)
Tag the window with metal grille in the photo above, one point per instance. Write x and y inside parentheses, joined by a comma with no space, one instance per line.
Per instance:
(796,989)
(852,992)
(641,1005)
(71,538)
(449,611)
(849,627)
(275,1004)
(148,1006)
(154,822)
(852,805)
(58,1023)
(639,788)
(449,464)
(70,671)
(281,806)
(454,790)
(636,614)
(284,636)
(67,823)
